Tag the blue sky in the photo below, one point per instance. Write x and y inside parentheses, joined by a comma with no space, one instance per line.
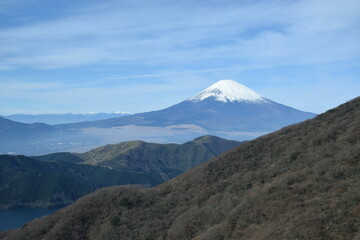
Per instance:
(140,55)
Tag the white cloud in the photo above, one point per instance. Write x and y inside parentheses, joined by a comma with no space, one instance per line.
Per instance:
(298,32)
(7,86)
(7,6)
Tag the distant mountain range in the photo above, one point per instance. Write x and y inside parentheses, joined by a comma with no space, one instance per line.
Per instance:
(63,118)
(301,182)
(58,179)
(36,138)
(226,109)
(16,131)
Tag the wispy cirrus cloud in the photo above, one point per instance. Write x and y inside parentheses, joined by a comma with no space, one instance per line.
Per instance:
(77,47)
(161,33)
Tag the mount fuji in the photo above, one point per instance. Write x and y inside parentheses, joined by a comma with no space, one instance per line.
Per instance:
(225,106)
(226,109)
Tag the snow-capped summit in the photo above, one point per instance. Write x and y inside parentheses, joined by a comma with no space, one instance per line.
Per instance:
(228,91)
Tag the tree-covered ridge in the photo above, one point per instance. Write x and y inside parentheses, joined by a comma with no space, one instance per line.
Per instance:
(58,179)
(167,160)
(26,182)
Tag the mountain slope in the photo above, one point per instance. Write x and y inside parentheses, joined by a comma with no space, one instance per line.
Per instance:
(10,130)
(32,138)
(301,182)
(25,182)
(60,157)
(166,160)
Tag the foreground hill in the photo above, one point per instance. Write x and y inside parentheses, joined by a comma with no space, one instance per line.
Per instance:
(26,182)
(165,160)
(301,182)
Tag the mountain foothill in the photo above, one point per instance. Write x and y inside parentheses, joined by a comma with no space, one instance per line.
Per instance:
(58,179)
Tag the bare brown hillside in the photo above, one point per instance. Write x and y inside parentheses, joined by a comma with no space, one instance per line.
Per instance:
(301,182)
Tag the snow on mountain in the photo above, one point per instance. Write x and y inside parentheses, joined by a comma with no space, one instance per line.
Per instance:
(228,91)
(121,112)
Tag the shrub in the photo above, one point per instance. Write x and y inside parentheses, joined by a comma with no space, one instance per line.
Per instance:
(125,202)
(294,155)
(114,221)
